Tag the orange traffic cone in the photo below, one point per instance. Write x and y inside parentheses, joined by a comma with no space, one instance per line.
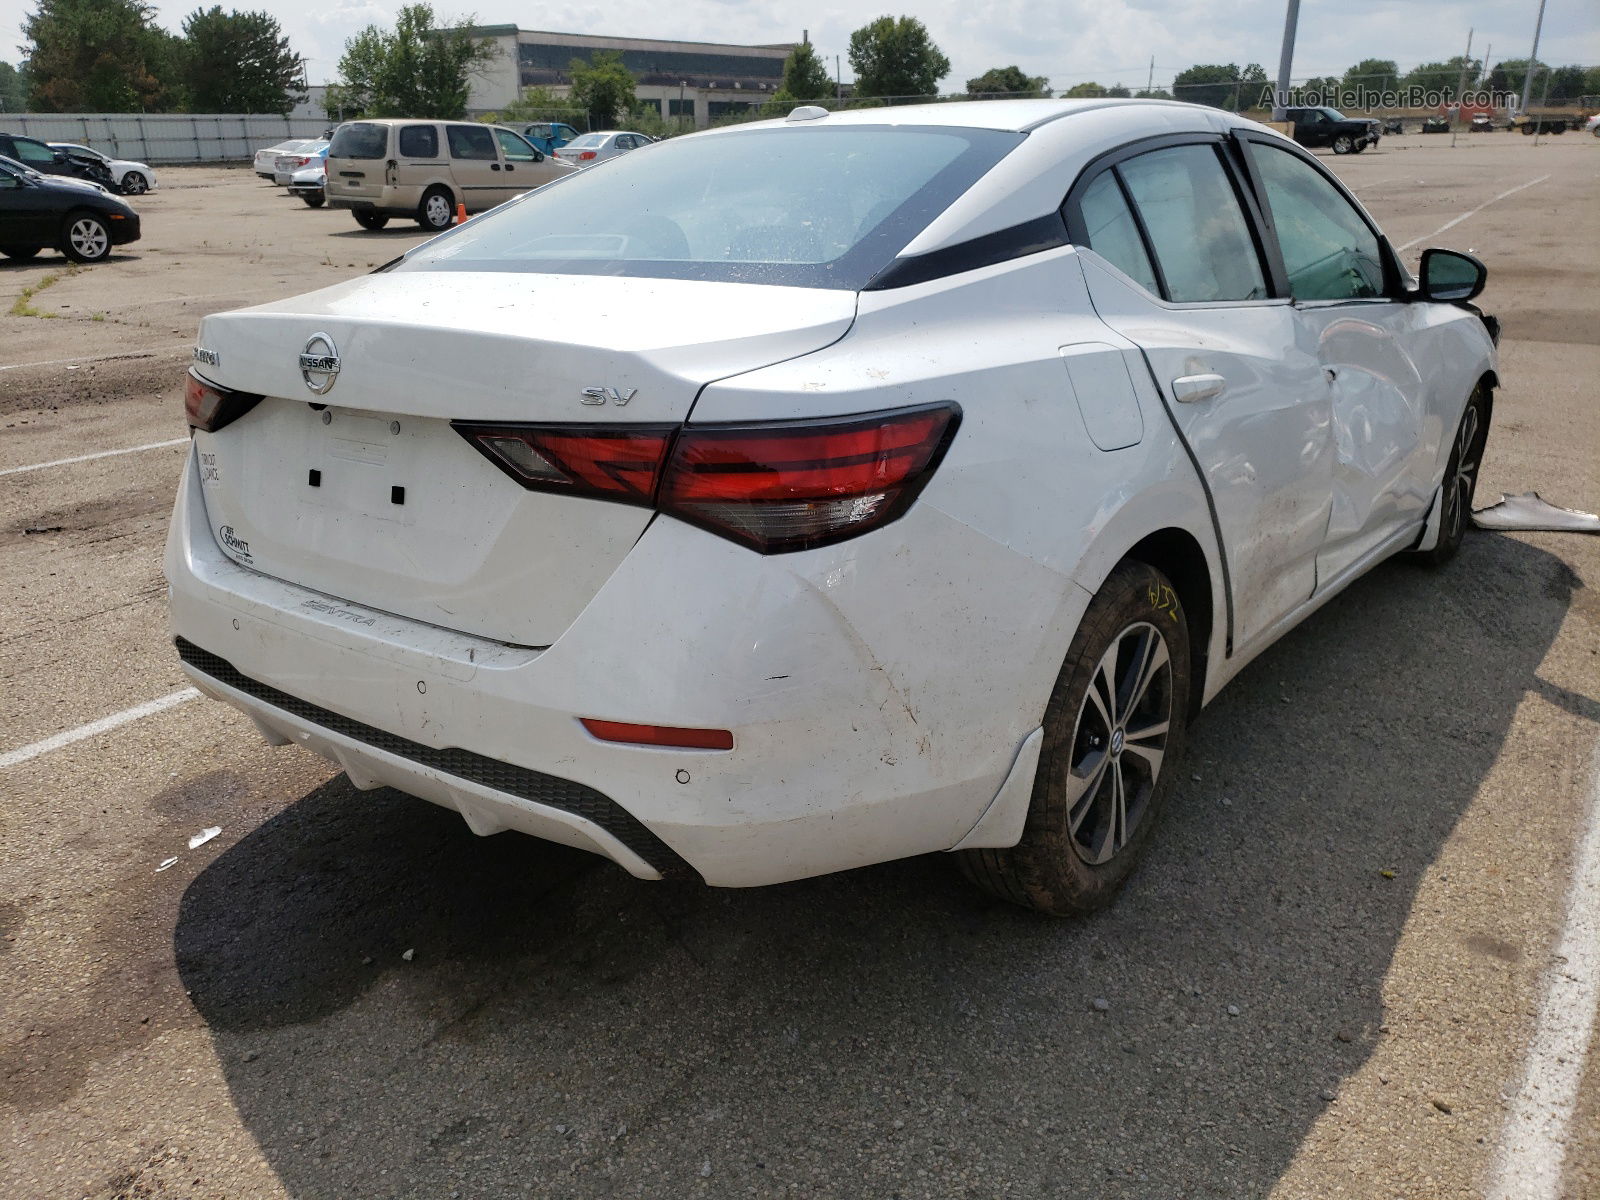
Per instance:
(461,213)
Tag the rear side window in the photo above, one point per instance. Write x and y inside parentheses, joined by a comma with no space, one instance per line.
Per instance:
(1112,232)
(360,140)
(515,149)
(471,142)
(35,154)
(1329,252)
(419,141)
(1196,225)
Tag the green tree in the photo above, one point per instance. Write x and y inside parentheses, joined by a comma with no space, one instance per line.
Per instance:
(1007,82)
(1508,74)
(1153,94)
(1208,83)
(894,56)
(1442,77)
(1117,92)
(13,89)
(602,87)
(240,62)
(100,56)
(1254,90)
(1371,75)
(804,75)
(1084,91)
(416,69)
(1566,84)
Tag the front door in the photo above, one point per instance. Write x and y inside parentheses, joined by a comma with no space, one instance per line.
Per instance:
(1174,267)
(1347,314)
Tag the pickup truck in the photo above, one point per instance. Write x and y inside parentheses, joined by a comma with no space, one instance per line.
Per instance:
(1330,127)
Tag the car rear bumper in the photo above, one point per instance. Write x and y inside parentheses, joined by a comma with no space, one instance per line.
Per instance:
(834,765)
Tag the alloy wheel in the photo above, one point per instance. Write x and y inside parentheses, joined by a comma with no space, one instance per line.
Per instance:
(1119,743)
(89,238)
(1463,481)
(133,184)
(438,211)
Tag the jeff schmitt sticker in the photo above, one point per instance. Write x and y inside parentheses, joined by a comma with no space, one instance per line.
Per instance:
(240,547)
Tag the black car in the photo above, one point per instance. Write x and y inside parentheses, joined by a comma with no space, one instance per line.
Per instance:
(1330,127)
(77,218)
(47,160)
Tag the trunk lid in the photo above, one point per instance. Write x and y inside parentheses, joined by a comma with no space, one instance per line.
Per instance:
(365,493)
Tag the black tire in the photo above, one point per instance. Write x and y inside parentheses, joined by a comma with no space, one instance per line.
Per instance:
(1527,129)
(1460,482)
(370,219)
(135,184)
(21,253)
(1070,859)
(1359,147)
(85,237)
(313,199)
(1344,144)
(437,211)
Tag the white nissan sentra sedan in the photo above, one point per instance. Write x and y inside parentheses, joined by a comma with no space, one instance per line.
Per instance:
(825,491)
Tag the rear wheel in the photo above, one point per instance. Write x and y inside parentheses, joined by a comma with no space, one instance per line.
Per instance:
(1360,146)
(1344,144)
(370,219)
(313,199)
(134,184)
(435,213)
(85,238)
(21,253)
(1115,721)
(1460,481)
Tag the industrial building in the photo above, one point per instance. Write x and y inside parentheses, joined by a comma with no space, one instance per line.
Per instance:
(699,80)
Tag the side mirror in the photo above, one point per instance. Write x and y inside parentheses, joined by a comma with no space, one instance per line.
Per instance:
(1451,277)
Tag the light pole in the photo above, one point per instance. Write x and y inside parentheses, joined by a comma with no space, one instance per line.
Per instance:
(1286,58)
(1533,57)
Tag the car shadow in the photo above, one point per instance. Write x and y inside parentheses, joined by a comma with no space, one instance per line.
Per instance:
(562,1029)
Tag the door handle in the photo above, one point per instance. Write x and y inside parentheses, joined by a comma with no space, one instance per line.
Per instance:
(1191,389)
(511,166)
(494,166)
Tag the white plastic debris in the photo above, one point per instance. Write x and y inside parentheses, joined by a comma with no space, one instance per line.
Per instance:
(1529,510)
(204,836)
(409,955)
(167,862)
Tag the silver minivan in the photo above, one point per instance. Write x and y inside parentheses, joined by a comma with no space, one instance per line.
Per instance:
(422,170)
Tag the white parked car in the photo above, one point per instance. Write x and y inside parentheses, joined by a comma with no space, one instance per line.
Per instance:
(266,159)
(591,148)
(286,166)
(132,178)
(820,492)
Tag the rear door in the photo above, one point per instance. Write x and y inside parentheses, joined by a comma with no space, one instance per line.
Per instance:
(476,167)
(524,167)
(1346,309)
(357,160)
(1175,266)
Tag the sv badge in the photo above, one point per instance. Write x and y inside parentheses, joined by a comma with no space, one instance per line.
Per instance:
(603,395)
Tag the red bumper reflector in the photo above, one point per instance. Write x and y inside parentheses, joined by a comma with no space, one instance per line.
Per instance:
(659,735)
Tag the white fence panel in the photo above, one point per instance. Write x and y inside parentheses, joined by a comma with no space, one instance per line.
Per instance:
(166,137)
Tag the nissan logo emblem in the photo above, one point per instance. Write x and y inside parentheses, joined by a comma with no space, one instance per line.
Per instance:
(319,363)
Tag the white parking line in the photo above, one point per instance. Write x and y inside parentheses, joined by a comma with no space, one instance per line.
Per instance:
(149,708)
(61,462)
(1472,212)
(1534,1139)
(57,362)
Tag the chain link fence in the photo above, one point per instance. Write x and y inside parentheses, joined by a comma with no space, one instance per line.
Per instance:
(165,137)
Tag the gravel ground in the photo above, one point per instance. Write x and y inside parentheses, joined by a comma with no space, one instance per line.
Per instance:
(1321,983)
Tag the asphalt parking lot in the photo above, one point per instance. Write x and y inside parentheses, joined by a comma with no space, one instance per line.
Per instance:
(1328,978)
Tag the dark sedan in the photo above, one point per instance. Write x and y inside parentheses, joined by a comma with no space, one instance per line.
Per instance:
(80,219)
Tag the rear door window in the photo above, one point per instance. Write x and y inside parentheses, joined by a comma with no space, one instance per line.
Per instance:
(362,139)
(515,149)
(35,154)
(419,141)
(1113,235)
(1196,224)
(473,142)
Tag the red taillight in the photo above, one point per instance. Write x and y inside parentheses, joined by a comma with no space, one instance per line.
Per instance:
(586,155)
(209,407)
(618,462)
(659,735)
(791,486)
(300,162)
(774,486)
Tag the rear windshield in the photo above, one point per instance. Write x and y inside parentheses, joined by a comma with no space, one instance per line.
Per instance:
(360,140)
(798,207)
(588,139)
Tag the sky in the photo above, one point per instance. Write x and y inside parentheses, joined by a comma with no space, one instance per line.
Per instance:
(1068,41)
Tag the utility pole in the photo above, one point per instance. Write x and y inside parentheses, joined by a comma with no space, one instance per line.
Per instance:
(1533,57)
(1150,79)
(1461,86)
(1286,59)
(838,81)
